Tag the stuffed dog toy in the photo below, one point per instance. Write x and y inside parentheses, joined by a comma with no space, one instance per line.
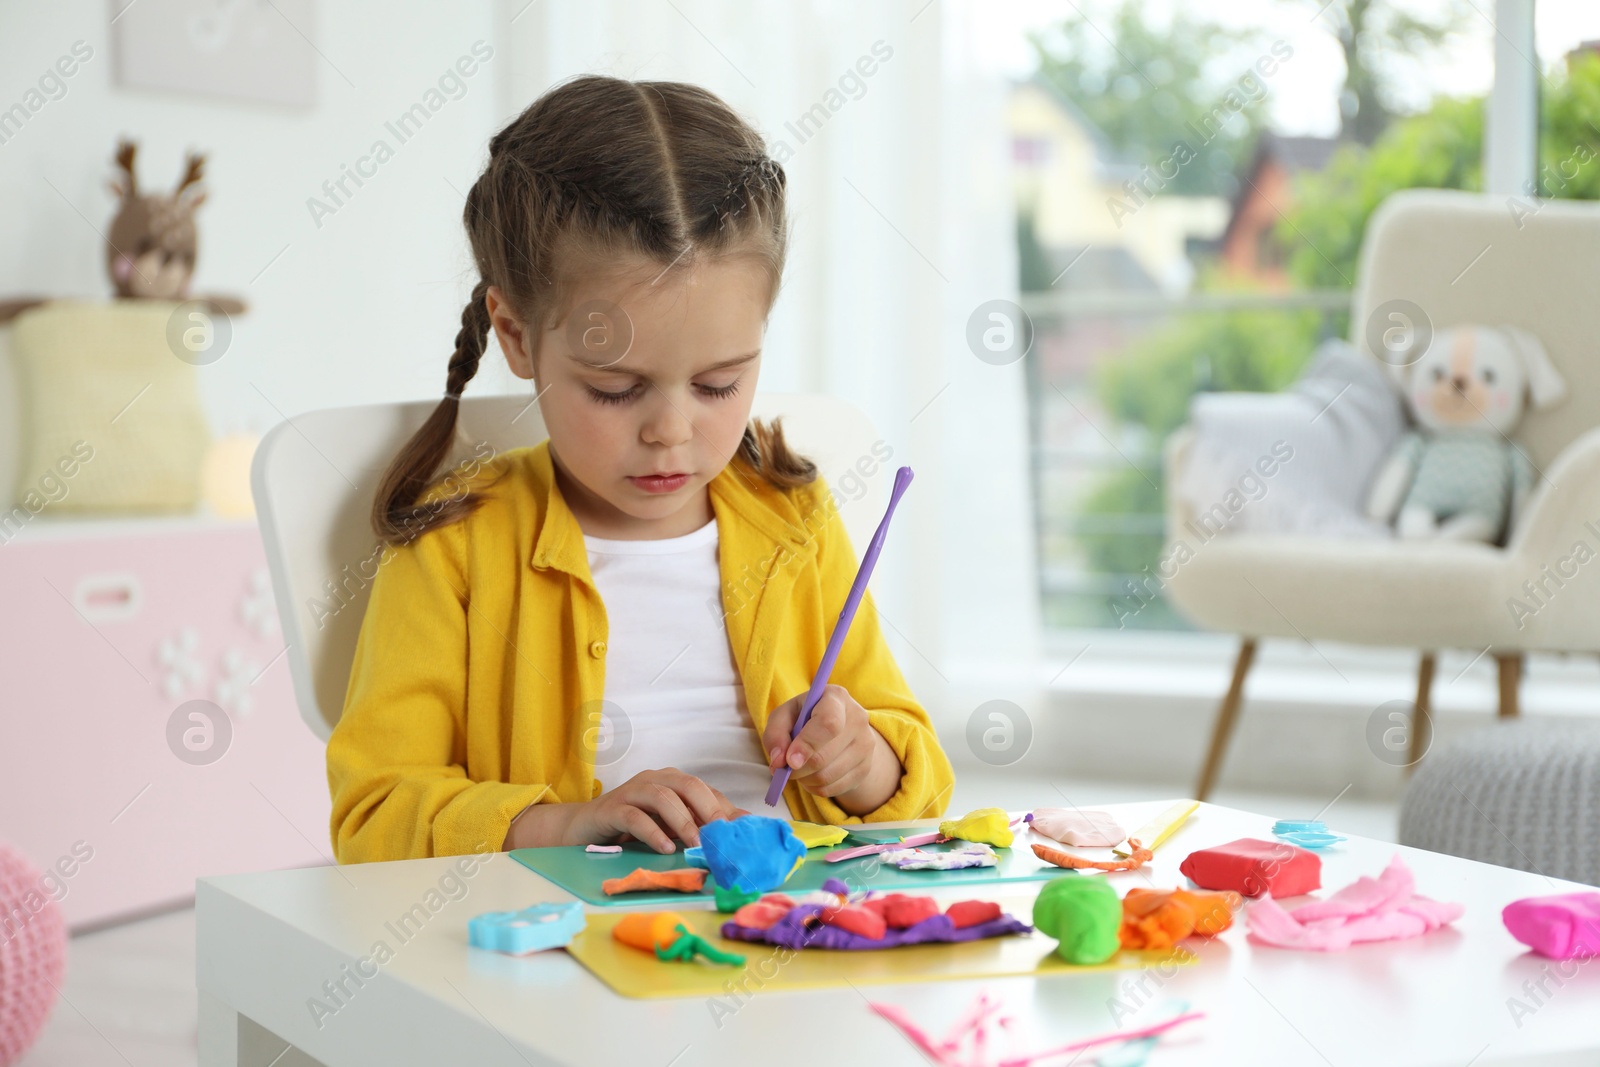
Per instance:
(1457,475)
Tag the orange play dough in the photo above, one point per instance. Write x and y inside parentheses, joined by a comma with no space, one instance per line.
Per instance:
(1160,918)
(684,880)
(1140,857)
(648,930)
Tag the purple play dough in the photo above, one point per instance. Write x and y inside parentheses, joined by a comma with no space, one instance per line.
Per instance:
(792,931)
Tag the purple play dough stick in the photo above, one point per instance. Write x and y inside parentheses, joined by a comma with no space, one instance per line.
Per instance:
(858,589)
(792,932)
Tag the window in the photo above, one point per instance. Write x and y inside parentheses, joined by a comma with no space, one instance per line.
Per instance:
(1567,41)
(1213,169)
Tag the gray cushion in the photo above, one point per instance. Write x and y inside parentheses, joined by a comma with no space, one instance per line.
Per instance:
(1331,431)
(1523,794)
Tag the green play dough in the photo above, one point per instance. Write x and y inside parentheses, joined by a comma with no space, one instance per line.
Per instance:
(729,900)
(1083,914)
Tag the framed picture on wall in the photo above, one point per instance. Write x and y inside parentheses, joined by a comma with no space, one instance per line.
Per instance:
(259,50)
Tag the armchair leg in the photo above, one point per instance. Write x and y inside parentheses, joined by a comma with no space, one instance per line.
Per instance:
(1227,715)
(1422,715)
(1510,682)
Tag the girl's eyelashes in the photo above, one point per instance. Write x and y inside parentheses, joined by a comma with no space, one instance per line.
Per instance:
(603,397)
(720,391)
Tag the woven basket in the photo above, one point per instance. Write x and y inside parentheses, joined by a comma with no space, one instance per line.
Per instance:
(33,954)
(1523,794)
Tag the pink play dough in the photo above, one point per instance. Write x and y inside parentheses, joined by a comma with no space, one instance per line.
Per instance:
(33,954)
(1563,927)
(1385,908)
(1077,827)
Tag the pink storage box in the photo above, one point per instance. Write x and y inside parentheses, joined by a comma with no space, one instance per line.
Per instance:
(110,628)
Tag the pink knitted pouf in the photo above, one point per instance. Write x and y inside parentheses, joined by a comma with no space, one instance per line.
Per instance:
(33,954)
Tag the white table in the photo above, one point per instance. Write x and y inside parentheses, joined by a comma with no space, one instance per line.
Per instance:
(268,942)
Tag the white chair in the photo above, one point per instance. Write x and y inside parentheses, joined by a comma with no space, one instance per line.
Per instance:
(1462,258)
(314,478)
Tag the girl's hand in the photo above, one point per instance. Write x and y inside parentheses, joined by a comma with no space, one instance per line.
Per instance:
(838,754)
(656,807)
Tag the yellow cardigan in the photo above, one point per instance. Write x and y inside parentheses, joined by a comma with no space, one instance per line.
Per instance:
(480,667)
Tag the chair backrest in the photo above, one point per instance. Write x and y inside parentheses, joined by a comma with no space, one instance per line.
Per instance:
(314,478)
(1467,258)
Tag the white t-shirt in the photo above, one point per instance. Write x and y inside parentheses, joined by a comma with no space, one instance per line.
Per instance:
(673,695)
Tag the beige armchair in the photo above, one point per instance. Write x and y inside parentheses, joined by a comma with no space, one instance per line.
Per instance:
(1461,258)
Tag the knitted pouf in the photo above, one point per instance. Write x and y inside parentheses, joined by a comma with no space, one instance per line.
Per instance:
(1523,794)
(33,954)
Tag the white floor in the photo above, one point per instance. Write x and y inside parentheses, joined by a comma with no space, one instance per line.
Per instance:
(129,998)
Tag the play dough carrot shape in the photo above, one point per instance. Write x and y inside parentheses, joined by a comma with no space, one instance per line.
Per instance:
(648,930)
(683,880)
(1139,858)
(667,935)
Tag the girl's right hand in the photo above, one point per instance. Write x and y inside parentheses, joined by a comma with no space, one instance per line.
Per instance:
(656,807)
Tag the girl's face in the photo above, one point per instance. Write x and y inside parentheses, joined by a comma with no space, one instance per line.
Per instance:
(645,389)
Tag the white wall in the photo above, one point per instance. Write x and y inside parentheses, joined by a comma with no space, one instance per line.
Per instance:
(901,205)
(363,309)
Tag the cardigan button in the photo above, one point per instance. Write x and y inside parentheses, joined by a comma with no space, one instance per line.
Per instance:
(597,649)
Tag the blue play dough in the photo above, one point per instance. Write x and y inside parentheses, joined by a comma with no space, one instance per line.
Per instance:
(1307,833)
(752,853)
(517,932)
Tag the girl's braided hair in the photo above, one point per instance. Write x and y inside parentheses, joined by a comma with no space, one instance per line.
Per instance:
(599,168)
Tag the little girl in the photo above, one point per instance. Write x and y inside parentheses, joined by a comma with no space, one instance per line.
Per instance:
(630,240)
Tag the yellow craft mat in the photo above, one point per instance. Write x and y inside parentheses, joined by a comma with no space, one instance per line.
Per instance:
(770,968)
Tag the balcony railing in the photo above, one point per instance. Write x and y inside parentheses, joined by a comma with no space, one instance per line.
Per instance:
(1096,465)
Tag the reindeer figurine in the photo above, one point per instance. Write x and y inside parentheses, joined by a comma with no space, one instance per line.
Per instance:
(151,249)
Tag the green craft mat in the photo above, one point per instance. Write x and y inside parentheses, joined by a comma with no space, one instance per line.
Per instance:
(580,873)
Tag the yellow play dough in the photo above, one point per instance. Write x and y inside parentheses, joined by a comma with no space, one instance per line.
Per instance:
(815,835)
(989,825)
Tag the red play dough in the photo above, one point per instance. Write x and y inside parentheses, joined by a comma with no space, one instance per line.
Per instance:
(858,921)
(760,914)
(1251,867)
(972,912)
(900,911)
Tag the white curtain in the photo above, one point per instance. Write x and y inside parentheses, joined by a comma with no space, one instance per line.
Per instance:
(902,217)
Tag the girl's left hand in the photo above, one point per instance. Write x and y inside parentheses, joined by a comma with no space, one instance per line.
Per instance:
(837,750)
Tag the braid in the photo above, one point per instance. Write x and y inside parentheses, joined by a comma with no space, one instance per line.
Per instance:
(471,340)
(396,515)
(757,175)
(769,455)
(570,201)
